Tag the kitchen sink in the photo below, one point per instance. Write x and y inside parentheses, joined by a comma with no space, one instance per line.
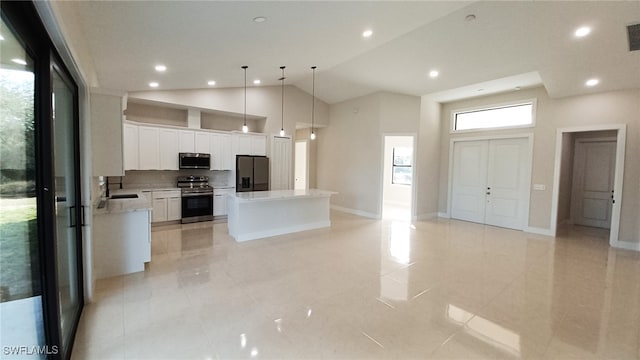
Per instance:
(124,196)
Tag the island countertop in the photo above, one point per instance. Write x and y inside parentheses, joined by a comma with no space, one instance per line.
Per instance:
(279,195)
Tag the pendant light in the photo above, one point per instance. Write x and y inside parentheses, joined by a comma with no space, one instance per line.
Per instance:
(282,123)
(313,102)
(245,128)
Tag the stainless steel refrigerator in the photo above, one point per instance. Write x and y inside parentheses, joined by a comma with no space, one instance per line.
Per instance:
(252,173)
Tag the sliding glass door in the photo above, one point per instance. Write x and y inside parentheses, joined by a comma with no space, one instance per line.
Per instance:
(41,293)
(67,203)
(20,274)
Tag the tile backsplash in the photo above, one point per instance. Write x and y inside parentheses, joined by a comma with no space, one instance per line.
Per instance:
(166,178)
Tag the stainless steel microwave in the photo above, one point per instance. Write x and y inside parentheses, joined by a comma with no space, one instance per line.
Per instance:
(194,161)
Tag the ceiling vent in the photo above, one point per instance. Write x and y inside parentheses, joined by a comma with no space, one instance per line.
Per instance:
(634,37)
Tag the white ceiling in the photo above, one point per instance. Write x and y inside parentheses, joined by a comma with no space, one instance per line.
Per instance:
(511,43)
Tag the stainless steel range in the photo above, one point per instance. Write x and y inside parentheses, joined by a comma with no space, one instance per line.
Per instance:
(197,198)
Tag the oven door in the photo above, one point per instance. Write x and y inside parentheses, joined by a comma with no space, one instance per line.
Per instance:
(197,207)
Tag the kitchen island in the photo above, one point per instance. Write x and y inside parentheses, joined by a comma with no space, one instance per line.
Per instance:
(122,234)
(260,214)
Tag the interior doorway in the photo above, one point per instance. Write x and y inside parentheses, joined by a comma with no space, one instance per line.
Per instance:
(397,190)
(589,167)
(301,168)
(587,175)
(280,163)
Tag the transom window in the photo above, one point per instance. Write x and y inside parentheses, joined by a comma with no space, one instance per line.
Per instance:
(496,117)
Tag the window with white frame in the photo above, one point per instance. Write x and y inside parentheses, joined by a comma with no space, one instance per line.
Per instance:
(517,115)
(402,163)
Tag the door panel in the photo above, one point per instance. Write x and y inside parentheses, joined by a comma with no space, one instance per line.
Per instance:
(67,207)
(506,186)
(489,182)
(594,170)
(469,181)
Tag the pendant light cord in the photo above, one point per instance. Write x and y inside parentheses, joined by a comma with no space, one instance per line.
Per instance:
(313,97)
(282,78)
(245,94)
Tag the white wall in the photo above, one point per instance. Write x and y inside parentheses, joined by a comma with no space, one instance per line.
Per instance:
(350,150)
(620,107)
(395,194)
(427,171)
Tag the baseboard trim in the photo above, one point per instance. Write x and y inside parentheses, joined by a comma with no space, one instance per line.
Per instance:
(538,231)
(443,215)
(355,212)
(626,245)
(427,216)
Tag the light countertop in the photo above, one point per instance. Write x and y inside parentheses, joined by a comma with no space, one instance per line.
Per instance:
(112,206)
(279,195)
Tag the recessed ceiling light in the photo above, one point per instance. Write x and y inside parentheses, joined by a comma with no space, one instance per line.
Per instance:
(582,31)
(211,82)
(153,84)
(434,73)
(259,19)
(517,88)
(256,82)
(19,61)
(161,68)
(480,90)
(367,33)
(469,17)
(592,82)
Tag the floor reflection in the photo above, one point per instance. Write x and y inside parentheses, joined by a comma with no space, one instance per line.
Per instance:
(371,289)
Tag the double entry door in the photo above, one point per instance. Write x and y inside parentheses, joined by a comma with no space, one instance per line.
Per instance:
(491,182)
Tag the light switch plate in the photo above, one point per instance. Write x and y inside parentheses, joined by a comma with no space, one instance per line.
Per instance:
(539,187)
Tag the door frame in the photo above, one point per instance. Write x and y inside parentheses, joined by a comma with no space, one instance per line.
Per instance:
(291,157)
(306,144)
(527,179)
(414,173)
(612,139)
(617,182)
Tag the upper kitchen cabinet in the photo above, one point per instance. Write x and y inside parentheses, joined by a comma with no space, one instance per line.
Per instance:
(148,146)
(186,141)
(106,134)
(168,148)
(130,147)
(222,159)
(203,142)
(249,144)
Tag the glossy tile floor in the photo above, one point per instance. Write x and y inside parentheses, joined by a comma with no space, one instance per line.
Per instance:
(370,289)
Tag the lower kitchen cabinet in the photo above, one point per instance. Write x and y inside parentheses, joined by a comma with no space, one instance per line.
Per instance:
(220,201)
(122,243)
(167,205)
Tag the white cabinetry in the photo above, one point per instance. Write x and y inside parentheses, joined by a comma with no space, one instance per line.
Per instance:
(221,152)
(156,148)
(220,201)
(203,142)
(148,145)
(130,147)
(167,205)
(249,144)
(186,141)
(106,134)
(168,149)
(122,243)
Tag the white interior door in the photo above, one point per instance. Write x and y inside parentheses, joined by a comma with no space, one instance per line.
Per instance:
(301,165)
(593,175)
(506,183)
(281,164)
(490,182)
(469,180)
